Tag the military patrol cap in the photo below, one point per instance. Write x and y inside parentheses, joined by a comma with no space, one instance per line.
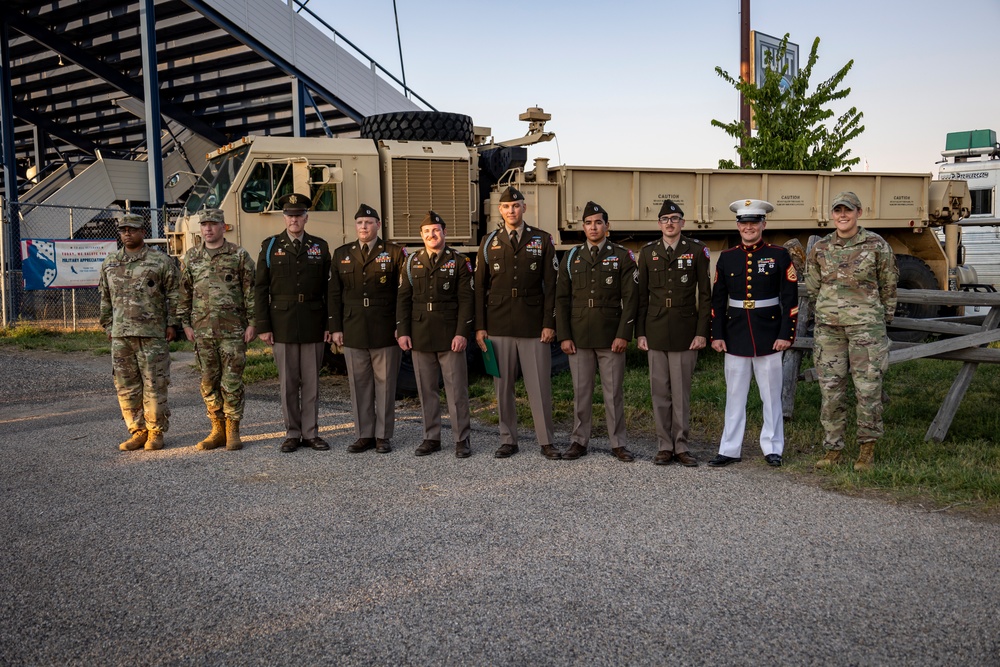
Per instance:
(751,210)
(511,194)
(366,211)
(212,215)
(131,220)
(670,208)
(294,203)
(593,208)
(432,218)
(848,199)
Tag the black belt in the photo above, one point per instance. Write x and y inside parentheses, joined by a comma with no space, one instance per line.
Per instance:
(301,298)
(514,294)
(367,303)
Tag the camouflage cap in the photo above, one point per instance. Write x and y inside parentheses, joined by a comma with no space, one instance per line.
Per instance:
(432,218)
(366,211)
(511,194)
(593,208)
(294,203)
(212,215)
(848,199)
(670,208)
(751,210)
(131,220)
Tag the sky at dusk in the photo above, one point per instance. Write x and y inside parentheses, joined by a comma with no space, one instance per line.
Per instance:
(633,83)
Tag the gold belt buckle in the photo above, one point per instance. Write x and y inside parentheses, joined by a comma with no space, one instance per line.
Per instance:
(366,302)
(668,303)
(513,293)
(749,304)
(430,306)
(302,298)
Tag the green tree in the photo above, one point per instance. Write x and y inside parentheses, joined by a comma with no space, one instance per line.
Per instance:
(793,131)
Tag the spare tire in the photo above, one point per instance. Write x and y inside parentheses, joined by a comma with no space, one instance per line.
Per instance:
(914,274)
(419,126)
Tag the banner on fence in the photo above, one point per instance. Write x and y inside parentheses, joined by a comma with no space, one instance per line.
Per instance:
(63,263)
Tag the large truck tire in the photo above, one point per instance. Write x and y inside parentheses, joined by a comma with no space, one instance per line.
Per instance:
(914,274)
(419,126)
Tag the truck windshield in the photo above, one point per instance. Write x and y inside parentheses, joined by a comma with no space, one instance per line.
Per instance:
(214,183)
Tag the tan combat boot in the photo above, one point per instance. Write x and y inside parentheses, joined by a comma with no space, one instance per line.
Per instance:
(136,441)
(832,457)
(217,438)
(155,440)
(233,441)
(865,457)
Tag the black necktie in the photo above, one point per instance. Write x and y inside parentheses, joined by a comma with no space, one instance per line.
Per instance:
(593,253)
(434,258)
(364,250)
(513,239)
(297,245)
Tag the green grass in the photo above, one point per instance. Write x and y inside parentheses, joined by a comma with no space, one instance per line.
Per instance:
(963,471)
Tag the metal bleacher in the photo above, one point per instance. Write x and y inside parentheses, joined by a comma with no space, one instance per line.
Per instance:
(227,68)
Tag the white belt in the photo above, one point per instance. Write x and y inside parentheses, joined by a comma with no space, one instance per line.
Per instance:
(750,304)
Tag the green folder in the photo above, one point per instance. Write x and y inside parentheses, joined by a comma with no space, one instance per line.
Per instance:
(490,359)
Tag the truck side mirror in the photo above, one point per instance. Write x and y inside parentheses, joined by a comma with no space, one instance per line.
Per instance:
(329,175)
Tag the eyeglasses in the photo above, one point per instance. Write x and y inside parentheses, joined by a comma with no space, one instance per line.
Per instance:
(671,219)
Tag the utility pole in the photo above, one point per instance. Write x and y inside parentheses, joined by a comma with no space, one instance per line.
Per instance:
(744,71)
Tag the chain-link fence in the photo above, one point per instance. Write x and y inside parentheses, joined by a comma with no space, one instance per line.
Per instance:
(50,307)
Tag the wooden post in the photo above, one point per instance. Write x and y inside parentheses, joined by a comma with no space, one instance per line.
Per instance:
(938,430)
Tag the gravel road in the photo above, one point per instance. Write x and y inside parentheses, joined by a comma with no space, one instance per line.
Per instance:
(181,557)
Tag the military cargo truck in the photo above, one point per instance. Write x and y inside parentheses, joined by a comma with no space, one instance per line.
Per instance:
(409,162)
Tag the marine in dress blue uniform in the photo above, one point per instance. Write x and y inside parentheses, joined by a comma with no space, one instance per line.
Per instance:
(754,311)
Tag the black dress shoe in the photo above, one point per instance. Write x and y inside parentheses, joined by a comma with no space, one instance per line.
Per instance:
(574,452)
(290,445)
(773,460)
(361,445)
(428,447)
(723,460)
(623,455)
(685,459)
(463,450)
(551,453)
(383,446)
(663,457)
(319,444)
(505,451)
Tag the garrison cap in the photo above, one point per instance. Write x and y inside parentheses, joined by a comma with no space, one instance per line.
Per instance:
(131,220)
(366,211)
(294,203)
(511,194)
(751,210)
(432,218)
(212,215)
(669,208)
(593,208)
(848,199)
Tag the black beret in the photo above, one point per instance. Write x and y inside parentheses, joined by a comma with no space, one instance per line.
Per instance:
(593,208)
(669,208)
(432,218)
(366,211)
(511,194)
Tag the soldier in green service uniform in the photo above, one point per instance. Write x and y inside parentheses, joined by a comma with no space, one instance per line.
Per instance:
(290,313)
(139,294)
(216,311)
(672,325)
(596,302)
(434,316)
(851,276)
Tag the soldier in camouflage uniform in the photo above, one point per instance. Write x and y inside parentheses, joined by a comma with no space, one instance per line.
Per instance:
(139,294)
(216,308)
(851,276)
